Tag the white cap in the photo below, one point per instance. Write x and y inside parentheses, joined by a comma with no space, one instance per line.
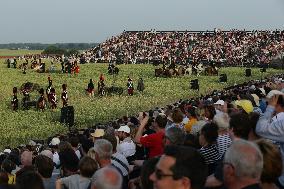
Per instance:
(220,102)
(32,143)
(124,128)
(55,141)
(7,151)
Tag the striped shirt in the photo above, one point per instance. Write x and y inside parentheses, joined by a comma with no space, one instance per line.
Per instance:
(223,143)
(210,153)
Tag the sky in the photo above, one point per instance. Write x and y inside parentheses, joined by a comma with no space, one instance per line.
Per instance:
(88,21)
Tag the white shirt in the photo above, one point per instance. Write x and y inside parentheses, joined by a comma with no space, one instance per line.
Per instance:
(126,147)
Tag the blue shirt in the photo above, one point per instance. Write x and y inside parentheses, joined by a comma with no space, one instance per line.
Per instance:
(273,131)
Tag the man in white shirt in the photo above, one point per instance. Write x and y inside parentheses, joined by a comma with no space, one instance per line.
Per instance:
(126,147)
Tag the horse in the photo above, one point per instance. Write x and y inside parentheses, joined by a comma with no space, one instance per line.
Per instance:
(113,70)
(210,71)
(188,70)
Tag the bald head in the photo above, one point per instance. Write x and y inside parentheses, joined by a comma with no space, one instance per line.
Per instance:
(26,158)
(107,178)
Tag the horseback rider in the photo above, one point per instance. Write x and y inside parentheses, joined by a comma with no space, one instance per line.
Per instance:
(130,87)
(14,101)
(64,95)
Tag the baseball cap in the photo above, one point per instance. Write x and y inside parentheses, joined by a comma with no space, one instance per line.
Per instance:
(124,128)
(55,141)
(245,104)
(220,102)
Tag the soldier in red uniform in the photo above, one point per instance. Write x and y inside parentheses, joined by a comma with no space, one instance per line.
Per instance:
(130,87)
(64,95)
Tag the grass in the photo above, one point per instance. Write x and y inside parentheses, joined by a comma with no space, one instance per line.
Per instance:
(21,126)
(21,52)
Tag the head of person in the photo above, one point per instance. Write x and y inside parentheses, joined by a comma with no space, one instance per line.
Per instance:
(179,167)
(160,122)
(103,151)
(147,169)
(74,141)
(26,158)
(29,179)
(272,169)
(123,132)
(222,121)
(112,139)
(209,112)
(107,178)
(243,163)
(44,166)
(8,165)
(177,115)
(174,136)
(208,134)
(240,126)
(87,166)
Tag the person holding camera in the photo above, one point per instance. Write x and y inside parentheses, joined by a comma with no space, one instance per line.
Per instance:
(272,128)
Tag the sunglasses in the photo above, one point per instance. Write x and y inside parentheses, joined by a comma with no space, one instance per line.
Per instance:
(160,175)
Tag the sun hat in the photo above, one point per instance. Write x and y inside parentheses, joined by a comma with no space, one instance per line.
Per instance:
(98,133)
(256,99)
(274,92)
(245,104)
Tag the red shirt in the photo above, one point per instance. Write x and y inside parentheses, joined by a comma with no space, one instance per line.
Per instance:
(154,142)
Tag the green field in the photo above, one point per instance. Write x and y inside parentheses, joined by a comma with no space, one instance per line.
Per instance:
(18,127)
(8,52)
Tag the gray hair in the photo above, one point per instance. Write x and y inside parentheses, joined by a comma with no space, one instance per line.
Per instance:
(222,120)
(103,148)
(107,178)
(175,135)
(246,158)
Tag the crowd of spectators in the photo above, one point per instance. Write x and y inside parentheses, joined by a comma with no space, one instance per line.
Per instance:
(181,47)
(231,138)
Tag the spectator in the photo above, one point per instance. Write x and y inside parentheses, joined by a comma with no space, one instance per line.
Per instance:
(29,179)
(126,147)
(174,136)
(208,141)
(153,141)
(243,164)
(103,152)
(8,166)
(192,119)
(273,130)
(107,178)
(44,167)
(180,167)
(223,140)
(87,167)
(271,167)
